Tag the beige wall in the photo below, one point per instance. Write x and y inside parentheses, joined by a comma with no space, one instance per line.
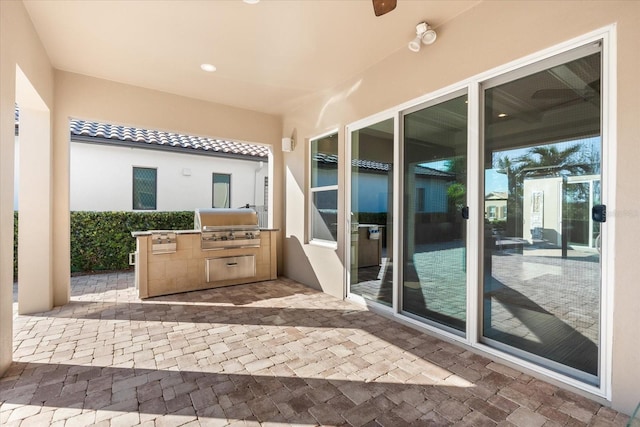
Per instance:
(487,36)
(106,101)
(19,45)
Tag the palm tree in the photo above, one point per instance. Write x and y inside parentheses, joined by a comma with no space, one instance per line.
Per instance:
(550,160)
(542,160)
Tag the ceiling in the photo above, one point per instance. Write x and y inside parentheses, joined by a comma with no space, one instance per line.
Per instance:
(270,56)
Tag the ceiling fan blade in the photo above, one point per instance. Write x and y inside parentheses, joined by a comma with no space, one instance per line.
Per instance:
(380,7)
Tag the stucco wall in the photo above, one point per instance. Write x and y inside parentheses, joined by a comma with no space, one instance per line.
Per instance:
(19,46)
(101,178)
(486,36)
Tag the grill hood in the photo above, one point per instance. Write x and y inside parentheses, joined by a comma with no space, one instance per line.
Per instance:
(223,218)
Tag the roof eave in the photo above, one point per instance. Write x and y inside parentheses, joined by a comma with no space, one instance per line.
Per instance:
(145,146)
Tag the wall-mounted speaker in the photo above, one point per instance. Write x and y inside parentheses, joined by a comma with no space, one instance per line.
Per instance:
(288,144)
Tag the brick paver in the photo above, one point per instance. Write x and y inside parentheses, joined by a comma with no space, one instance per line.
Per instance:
(273,353)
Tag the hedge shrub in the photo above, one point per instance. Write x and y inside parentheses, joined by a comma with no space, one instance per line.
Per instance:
(102,240)
(379,218)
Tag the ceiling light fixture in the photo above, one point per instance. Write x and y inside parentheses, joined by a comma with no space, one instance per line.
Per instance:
(251,1)
(208,68)
(424,35)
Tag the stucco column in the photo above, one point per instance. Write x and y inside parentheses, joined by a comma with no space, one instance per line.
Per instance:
(35,292)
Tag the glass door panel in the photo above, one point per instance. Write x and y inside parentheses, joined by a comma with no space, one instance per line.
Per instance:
(434,231)
(371,260)
(542,167)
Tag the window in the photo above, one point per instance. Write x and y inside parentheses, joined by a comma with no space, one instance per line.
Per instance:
(420,200)
(145,188)
(221,193)
(323,189)
(266,192)
(492,212)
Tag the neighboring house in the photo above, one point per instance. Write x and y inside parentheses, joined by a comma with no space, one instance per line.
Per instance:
(431,189)
(119,168)
(430,184)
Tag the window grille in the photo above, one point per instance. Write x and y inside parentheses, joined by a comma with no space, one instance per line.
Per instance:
(145,188)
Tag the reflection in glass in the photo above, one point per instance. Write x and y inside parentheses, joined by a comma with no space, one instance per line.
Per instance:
(371,273)
(324,161)
(435,178)
(542,176)
(324,188)
(325,215)
(221,190)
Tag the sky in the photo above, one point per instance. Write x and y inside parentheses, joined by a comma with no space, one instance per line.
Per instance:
(496,181)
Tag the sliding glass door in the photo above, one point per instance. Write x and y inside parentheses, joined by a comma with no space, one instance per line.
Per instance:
(498,195)
(435,206)
(542,274)
(371,237)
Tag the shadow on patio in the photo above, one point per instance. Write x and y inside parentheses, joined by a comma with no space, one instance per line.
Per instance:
(288,356)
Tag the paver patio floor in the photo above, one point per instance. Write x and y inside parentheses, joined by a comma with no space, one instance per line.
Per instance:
(273,353)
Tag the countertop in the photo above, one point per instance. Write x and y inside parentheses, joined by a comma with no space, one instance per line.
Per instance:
(150,232)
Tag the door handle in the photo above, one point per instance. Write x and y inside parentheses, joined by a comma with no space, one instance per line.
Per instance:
(465,212)
(599,213)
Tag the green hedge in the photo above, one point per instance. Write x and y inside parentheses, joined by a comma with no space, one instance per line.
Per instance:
(102,240)
(379,218)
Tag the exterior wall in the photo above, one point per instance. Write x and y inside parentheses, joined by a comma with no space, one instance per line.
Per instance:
(372,196)
(99,100)
(19,46)
(484,37)
(101,178)
(435,194)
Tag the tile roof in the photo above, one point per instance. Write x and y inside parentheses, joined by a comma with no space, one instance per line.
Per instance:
(103,132)
(364,164)
(385,167)
(427,171)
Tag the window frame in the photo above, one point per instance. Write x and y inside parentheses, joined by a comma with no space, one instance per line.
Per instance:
(312,191)
(133,188)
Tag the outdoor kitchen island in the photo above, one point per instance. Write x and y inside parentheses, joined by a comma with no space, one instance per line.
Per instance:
(224,254)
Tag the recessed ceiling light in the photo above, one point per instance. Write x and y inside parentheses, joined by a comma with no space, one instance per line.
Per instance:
(251,1)
(208,68)
(501,115)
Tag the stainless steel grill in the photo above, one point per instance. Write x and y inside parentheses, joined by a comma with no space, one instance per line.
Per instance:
(227,228)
